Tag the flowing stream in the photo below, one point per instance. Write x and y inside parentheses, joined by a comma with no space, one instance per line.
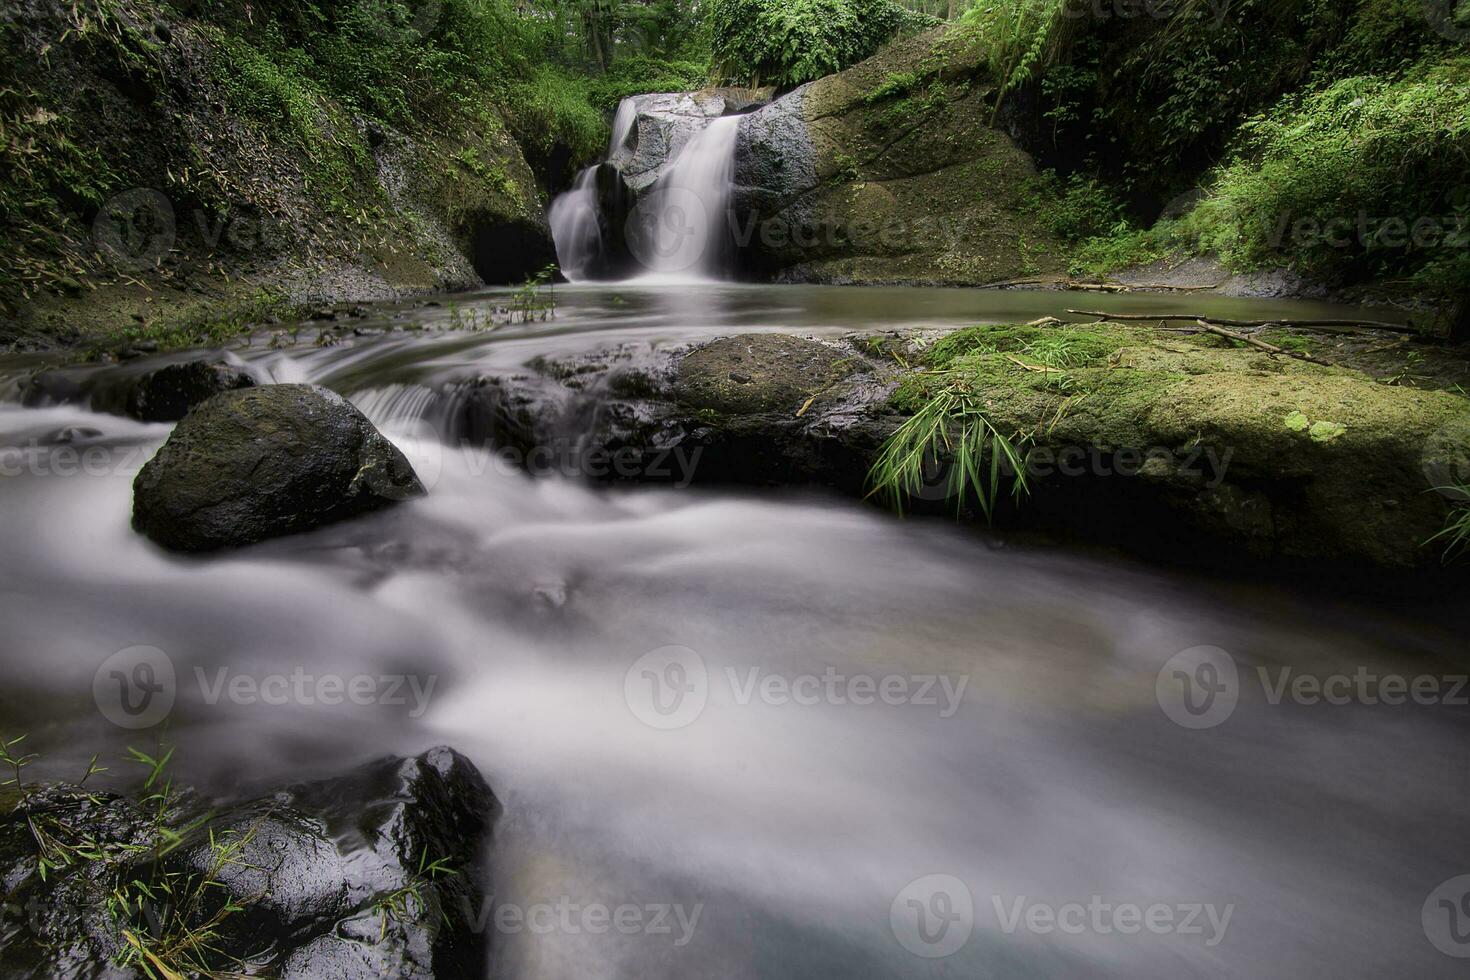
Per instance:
(769,825)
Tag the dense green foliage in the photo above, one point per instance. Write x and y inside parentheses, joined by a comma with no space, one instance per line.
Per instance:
(1327,137)
(232,107)
(1369,176)
(787,42)
(552,71)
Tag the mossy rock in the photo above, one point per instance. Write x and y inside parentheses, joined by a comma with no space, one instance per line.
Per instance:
(263,462)
(852,179)
(1307,461)
(758,374)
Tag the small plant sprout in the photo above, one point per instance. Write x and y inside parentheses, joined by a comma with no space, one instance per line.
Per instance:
(399,903)
(17,761)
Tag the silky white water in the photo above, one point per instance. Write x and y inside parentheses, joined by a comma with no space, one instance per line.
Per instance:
(776,834)
(680,230)
(575,228)
(685,229)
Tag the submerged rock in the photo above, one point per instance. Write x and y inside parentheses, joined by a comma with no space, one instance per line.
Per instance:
(262,462)
(167,394)
(759,373)
(161,394)
(376,873)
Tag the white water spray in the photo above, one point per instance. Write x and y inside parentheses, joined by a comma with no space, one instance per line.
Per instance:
(680,229)
(574,226)
(683,229)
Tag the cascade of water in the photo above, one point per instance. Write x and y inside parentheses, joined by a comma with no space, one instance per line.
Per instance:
(622,126)
(574,226)
(684,224)
(680,229)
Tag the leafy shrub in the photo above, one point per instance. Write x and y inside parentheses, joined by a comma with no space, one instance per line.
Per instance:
(1149,101)
(642,73)
(554,107)
(1076,208)
(787,42)
(1020,39)
(1336,181)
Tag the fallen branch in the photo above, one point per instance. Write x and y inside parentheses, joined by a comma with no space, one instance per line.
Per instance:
(1258,344)
(1037,368)
(1097,287)
(1391,345)
(1025,281)
(1167,287)
(1301,324)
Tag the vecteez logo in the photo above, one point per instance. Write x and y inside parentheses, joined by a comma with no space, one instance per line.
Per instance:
(667,688)
(670,687)
(140,686)
(1446,917)
(669,230)
(933,916)
(135,688)
(1445,460)
(135,229)
(425,15)
(1448,18)
(1199,687)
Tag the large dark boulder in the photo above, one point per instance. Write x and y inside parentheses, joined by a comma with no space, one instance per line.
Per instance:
(376,873)
(263,462)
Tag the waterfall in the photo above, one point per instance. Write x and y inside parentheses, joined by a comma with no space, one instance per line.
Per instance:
(622,126)
(680,226)
(575,227)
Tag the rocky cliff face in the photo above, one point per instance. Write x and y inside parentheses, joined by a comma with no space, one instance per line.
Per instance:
(889,172)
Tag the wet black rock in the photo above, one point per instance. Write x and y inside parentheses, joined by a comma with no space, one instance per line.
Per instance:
(749,409)
(263,462)
(376,873)
(158,394)
(167,394)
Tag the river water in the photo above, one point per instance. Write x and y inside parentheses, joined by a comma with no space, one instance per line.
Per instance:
(774,734)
